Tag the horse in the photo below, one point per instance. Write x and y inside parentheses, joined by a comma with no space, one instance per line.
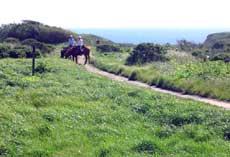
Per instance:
(75,51)
(63,51)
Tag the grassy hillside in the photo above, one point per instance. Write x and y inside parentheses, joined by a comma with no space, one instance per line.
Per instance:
(182,73)
(43,33)
(16,39)
(66,111)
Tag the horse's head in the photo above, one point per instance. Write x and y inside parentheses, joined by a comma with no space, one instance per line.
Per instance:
(68,52)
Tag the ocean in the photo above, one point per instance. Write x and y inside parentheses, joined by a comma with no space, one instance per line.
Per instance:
(160,36)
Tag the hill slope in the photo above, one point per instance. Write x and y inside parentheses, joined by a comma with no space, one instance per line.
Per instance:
(43,33)
(219,41)
(66,111)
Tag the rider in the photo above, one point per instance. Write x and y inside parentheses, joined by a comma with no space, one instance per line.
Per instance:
(71,41)
(80,43)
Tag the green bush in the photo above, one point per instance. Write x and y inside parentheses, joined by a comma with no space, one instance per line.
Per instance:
(147,147)
(108,48)
(20,51)
(221,56)
(197,52)
(4,48)
(45,48)
(147,52)
(32,29)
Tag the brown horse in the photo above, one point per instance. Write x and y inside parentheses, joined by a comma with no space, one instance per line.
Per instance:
(75,51)
(63,52)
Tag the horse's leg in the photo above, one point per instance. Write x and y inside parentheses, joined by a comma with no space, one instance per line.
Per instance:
(85,59)
(73,58)
(76,59)
(88,59)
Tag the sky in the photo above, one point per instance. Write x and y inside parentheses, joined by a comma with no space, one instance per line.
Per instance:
(119,13)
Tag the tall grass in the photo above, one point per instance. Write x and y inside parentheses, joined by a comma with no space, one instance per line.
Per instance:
(182,73)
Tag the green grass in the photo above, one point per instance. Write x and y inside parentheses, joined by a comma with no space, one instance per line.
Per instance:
(66,111)
(182,73)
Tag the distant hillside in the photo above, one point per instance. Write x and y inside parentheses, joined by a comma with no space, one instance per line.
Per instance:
(218,41)
(43,33)
(96,40)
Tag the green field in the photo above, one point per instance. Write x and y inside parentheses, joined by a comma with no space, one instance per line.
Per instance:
(182,73)
(66,111)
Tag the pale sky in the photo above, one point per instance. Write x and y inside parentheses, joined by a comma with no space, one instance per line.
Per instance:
(119,13)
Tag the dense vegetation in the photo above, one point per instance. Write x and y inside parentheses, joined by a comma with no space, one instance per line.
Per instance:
(15,39)
(66,111)
(145,53)
(17,51)
(108,48)
(35,30)
(183,73)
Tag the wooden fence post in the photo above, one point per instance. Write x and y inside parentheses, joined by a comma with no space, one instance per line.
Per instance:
(33,60)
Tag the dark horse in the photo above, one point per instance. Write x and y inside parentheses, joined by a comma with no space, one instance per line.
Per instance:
(63,51)
(75,51)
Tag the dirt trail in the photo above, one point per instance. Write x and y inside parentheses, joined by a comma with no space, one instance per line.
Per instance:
(214,102)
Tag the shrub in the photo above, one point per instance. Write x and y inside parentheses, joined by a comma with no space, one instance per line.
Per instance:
(197,52)
(147,147)
(3,151)
(221,56)
(4,48)
(45,48)
(147,52)
(108,48)
(32,29)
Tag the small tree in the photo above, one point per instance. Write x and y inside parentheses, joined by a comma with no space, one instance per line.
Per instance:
(147,52)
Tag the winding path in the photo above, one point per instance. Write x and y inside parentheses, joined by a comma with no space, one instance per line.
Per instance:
(210,101)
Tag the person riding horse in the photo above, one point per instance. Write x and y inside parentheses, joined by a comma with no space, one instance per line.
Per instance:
(75,51)
(71,41)
(80,43)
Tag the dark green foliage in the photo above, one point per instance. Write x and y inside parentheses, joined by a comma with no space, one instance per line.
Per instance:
(4,48)
(142,109)
(3,150)
(42,67)
(48,117)
(146,147)
(147,52)
(44,131)
(226,133)
(221,56)
(45,48)
(17,51)
(104,153)
(35,30)
(179,120)
(108,48)
(165,132)
(197,52)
